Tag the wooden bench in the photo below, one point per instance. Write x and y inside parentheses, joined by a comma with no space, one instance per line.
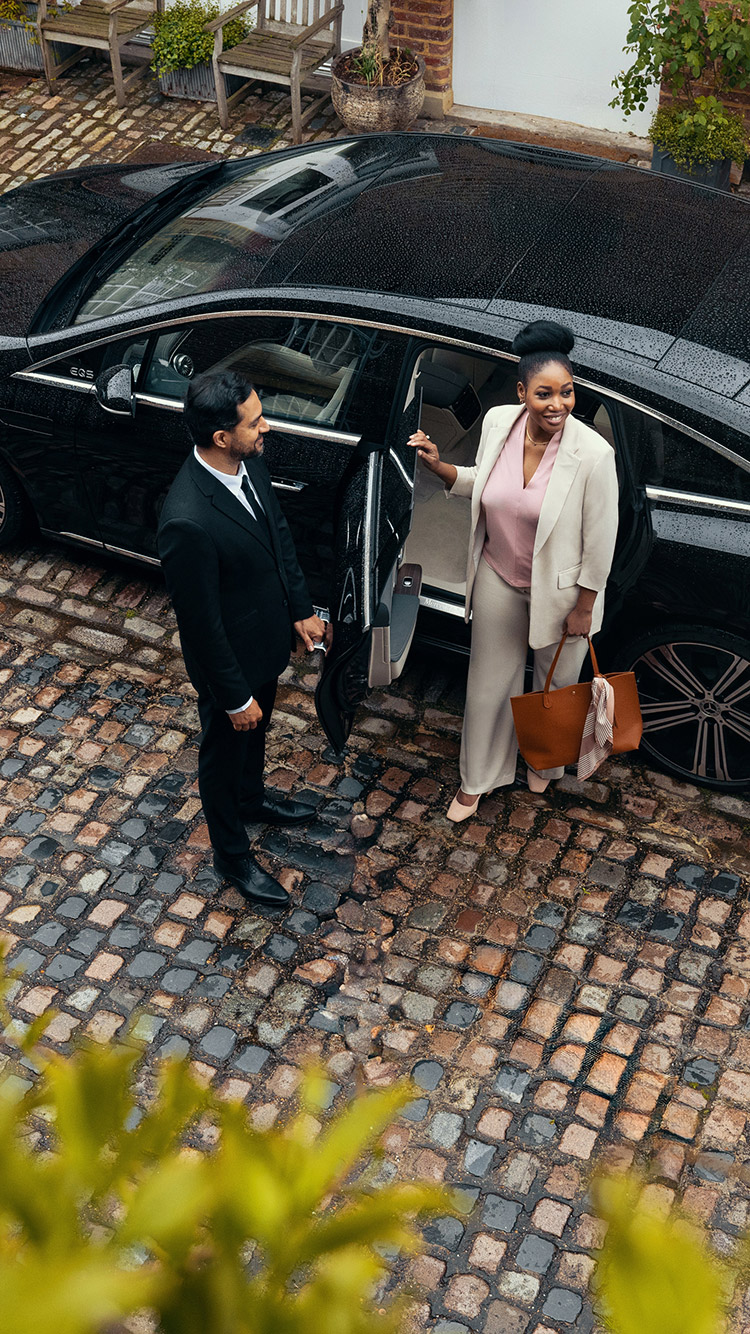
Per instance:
(290,40)
(105,25)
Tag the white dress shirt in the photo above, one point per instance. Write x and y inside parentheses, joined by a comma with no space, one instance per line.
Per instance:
(233,483)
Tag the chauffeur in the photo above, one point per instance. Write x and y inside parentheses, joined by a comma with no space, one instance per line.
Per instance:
(239,596)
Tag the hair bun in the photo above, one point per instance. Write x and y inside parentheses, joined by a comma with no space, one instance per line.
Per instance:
(543,336)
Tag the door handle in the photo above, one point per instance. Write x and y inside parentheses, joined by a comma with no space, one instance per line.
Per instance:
(283,484)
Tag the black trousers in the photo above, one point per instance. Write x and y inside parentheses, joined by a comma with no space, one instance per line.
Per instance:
(230,771)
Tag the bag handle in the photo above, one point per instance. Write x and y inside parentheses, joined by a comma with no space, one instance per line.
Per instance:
(548,683)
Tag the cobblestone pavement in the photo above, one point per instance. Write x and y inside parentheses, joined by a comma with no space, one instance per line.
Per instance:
(566,977)
(82,123)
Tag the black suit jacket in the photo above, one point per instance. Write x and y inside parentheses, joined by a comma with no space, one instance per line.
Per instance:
(236,590)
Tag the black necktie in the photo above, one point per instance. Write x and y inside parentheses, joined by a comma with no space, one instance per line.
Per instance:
(258,512)
(251,498)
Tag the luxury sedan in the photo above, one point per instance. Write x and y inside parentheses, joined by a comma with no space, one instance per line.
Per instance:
(366,286)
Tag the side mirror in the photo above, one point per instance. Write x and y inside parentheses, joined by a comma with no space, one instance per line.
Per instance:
(114,390)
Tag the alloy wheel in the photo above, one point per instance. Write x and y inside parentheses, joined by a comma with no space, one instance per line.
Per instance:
(695,701)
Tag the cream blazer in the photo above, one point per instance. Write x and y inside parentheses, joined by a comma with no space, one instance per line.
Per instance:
(575,537)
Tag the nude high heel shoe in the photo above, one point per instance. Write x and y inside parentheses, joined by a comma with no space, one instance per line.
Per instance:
(458,812)
(536,782)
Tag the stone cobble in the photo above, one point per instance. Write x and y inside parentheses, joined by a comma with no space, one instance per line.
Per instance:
(82,124)
(566,978)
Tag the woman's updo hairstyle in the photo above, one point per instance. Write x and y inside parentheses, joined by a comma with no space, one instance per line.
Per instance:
(538,344)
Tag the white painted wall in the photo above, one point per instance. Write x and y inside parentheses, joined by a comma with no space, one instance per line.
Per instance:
(553,58)
(352,24)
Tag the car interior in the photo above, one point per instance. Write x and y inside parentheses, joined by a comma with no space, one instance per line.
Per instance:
(458,389)
(306,378)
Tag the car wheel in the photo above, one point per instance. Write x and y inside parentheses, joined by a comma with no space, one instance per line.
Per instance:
(12,507)
(694,688)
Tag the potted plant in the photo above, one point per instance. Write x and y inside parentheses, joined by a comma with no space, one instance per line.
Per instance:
(697,56)
(19,43)
(182,48)
(377,86)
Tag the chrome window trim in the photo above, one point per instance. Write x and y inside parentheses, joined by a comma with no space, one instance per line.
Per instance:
(159,401)
(57,381)
(285,426)
(444,339)
(367,539)
(698,501)
(281,425)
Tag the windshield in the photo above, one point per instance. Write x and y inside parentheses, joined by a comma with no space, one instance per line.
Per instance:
(223,241)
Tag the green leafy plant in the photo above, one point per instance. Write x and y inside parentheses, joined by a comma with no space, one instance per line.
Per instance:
(179,1211)
(180,37)
(699,134)
(698,54)
(680,44)
(16,11)
(656,1275)
(376,62)
(368,64)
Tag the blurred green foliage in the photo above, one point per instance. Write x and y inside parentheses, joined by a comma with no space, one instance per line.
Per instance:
(107,1210)
(180,37)
(656,1275)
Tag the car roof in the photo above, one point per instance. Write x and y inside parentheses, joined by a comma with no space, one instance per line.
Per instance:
(656,266)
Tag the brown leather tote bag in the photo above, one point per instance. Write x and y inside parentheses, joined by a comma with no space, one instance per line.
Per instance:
(549,723)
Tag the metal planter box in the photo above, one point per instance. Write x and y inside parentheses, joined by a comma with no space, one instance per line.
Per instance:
(197,83)
(717,175)
(18,52)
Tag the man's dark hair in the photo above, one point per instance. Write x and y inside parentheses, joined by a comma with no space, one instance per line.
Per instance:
(211,404)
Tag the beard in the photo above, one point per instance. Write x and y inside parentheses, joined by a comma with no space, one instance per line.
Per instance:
(239,453)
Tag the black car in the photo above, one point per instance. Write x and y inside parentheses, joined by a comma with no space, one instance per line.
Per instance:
(365,286)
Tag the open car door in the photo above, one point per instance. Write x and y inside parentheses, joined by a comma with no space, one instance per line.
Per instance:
(375,601)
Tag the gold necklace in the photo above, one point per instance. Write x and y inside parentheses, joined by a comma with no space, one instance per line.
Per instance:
(532,441)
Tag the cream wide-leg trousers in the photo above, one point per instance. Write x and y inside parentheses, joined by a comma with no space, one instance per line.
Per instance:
(499,645)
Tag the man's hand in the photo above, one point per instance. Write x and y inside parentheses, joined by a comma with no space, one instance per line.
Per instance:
(248,719)
(312,631)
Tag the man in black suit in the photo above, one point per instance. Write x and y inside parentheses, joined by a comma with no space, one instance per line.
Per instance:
(239,596)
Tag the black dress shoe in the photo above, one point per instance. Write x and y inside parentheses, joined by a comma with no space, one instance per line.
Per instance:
(253,883)
(279,810)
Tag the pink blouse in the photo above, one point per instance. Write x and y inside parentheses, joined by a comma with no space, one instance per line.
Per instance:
(511,510)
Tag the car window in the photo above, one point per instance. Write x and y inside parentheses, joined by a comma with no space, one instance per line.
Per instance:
(304,370)
(131,353)
(86,363)
(676,462)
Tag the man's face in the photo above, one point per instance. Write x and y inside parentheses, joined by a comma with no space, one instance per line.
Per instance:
(246,438)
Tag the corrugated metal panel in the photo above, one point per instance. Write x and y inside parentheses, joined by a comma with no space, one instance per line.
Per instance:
(17,51)
(196,83)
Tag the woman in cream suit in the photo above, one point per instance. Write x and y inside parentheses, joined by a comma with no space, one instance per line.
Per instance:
(543,526)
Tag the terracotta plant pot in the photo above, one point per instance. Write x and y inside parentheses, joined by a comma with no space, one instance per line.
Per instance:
(361,107)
